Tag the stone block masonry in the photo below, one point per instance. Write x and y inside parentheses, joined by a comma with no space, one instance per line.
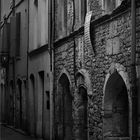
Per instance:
(111,42)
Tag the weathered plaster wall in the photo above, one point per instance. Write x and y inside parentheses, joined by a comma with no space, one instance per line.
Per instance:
(38,24)
(39,63)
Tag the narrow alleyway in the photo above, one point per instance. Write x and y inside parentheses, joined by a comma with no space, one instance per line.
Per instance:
(9,134)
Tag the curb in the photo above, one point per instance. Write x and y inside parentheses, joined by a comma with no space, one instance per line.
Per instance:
(15,129)
(19,131)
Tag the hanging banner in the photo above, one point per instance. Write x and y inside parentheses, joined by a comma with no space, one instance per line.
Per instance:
(87,29)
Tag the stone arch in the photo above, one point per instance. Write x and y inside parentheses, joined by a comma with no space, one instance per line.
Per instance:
(118,72)
(64,71)
(64,108)
(83,89)
(32,112)
(87,81)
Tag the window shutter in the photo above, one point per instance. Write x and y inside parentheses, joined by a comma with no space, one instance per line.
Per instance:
(15,35)
(0,43)
(5,38)
(18,34)
(12,36)
(83,10)
(65,13)
(76,2)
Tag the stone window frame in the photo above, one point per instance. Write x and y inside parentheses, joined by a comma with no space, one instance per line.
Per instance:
(107,9)
(123,73)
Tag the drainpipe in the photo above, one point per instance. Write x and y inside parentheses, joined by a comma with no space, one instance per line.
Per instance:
(51,21)
(27,82)
(0,12)
(133,71)
(13,8)
(14,73)
(74,46)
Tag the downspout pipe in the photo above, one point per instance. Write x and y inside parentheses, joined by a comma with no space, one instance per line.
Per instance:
(133,71)
(51,52)
(27,90)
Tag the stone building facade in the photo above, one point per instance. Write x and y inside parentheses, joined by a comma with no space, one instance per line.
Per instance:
(93,81)
(78,86)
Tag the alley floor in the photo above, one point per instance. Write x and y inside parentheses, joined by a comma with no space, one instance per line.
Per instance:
(10,134)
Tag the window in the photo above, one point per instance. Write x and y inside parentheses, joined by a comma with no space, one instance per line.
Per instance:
(61,17)
(18,19)
(109,5)
(15,22)
(80,10)
(48,99)
(36,2)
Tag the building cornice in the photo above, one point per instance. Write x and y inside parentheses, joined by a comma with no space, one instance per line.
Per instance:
(38,50)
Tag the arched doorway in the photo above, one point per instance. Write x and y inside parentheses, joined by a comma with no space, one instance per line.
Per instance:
(82,113)
(116,108)
(32,105)
(64,109)
(11,100)
(2,103)
(40,104)
(19,104)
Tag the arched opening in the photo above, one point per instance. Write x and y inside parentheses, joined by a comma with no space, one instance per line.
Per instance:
(32,105)
(19,103)
(64,109)
(82,113)
(11,100)
(2,103)
(40,104)
(25,105)
(116,108)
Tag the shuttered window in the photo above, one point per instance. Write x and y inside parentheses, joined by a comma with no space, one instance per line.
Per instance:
(80,11)
(15,35)
(12,36)
(18,34)
(5,38)
(109,5)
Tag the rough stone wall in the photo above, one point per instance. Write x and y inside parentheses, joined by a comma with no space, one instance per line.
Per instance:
(104,56)
(111,44)
(96,7)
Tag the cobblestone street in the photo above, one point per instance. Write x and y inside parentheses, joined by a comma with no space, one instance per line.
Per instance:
(9,134)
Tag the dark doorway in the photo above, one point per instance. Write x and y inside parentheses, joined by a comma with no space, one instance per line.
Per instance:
(116,108)
(2,104)
(40,112)
(64,110)
(82,113)
(32,105)
(19,104)
(11,100)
